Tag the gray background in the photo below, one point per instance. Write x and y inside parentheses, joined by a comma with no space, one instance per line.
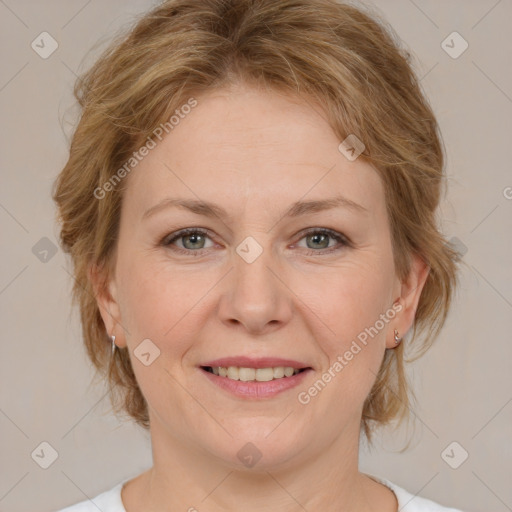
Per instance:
(462,384)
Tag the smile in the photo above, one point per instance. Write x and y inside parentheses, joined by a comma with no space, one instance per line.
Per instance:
(254,383)
(253,374)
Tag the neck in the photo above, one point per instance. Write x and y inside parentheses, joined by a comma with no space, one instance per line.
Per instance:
(185,478)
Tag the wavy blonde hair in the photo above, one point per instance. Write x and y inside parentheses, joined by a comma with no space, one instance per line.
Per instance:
(350,61)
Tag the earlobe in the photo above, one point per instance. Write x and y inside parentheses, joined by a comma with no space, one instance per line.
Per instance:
(105,293)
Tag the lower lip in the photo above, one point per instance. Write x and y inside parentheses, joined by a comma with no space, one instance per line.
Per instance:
(255,389)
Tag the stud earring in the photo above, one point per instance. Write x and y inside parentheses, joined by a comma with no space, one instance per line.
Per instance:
(397,337)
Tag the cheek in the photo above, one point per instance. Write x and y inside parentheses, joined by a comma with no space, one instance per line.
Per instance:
(163,305)
(352,307)
(154,307)
(350,299)
(152,301)
(354,344)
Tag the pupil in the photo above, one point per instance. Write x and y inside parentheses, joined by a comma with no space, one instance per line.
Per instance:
(193,236)
(320,235)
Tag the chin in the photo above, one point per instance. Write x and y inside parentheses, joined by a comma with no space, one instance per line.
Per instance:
(257,453)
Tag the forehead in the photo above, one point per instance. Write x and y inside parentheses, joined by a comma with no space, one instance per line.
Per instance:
(246,147)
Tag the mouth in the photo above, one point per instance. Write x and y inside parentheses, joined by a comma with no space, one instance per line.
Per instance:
(247,374)
(250,378)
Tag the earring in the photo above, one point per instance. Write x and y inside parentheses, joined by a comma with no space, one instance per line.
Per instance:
(397,337)
(113,344)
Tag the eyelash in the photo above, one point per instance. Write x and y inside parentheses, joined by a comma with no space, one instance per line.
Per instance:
(166,241)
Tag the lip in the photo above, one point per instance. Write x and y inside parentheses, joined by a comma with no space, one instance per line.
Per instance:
(255,389)
(261,362)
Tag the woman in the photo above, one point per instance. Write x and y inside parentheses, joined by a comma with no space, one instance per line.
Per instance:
(249,204)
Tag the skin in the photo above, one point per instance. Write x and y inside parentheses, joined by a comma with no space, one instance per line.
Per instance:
(255,153)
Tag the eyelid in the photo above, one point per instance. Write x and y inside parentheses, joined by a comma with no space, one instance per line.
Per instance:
(176,235)
(343,241)
(331,232)
(341,238)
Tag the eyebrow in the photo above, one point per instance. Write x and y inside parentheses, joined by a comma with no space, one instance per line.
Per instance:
(298,208)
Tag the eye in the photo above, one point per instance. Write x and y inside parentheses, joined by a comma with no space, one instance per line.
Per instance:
(318,239)
(193,240)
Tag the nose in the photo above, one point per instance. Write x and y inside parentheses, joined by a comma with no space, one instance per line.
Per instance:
(255,296)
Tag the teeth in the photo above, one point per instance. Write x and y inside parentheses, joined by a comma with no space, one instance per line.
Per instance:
(245,374)
(264,374)
(278,372)
(234,373)
(288,372)
(252,374)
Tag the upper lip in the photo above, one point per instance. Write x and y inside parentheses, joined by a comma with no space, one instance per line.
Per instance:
(260,362)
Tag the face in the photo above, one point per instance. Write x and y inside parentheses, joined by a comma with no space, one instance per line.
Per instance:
(259,281)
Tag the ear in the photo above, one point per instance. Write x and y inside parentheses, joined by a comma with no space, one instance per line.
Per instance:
(105,292)
(410,292)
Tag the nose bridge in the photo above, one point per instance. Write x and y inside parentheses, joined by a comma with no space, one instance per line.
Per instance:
(256,296)
(253,277)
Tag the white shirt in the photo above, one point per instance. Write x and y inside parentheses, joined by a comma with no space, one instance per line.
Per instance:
(110,501)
